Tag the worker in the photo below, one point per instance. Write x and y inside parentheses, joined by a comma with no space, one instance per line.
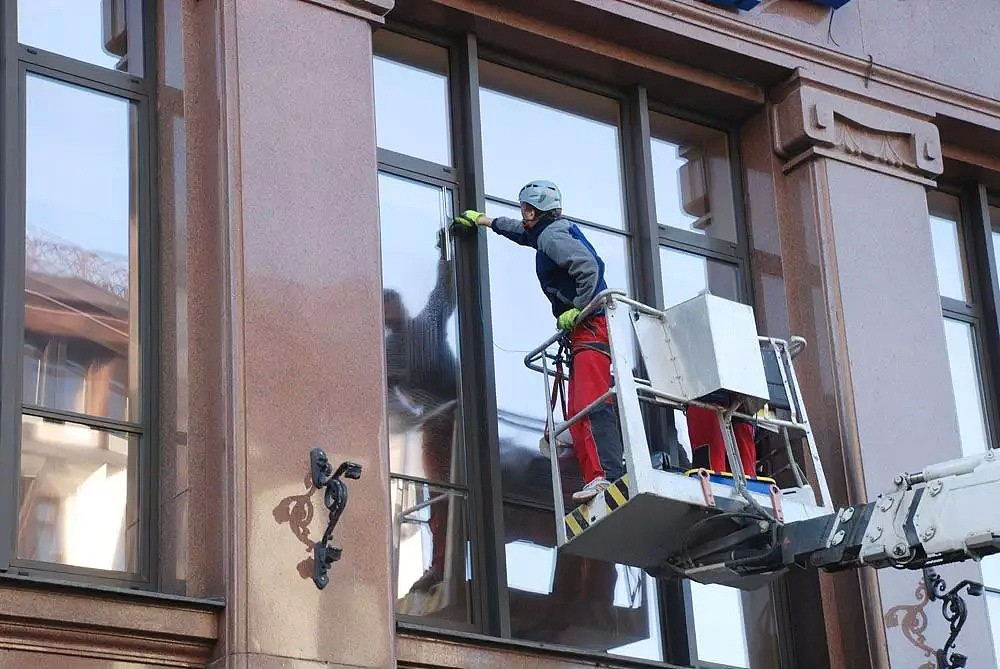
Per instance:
(571,275)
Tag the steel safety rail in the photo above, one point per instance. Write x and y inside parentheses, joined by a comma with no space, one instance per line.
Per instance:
(538,360)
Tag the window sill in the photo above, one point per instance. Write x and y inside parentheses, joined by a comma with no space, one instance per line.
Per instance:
(419,646)
(104,622)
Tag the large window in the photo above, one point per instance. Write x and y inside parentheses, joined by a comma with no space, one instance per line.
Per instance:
(474,536)
(76,446)
(582,152)
(965,231)
(964,243)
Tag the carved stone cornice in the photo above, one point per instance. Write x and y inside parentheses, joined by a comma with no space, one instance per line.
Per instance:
(147,629)
(811,122)
(372,10)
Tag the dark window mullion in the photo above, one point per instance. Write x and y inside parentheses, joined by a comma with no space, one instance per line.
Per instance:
(571,219)
(701,244)
(959,310)
(93,75)
(670,243)
(987,283)
(390,160)
(417,480)
(648,286)
(476,335)
(88,420)
(12,234)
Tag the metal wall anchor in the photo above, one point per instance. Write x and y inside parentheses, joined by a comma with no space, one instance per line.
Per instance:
(335,500)
(955,612)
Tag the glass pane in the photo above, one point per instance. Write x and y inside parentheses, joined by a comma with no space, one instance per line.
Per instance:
(948,255)
(411,98)
(991,572)
(719,629)
(421,336)
(996,254)
(995,220)
(993,606)
(77,503)
(967,386)
(692,181)
(81,262)
(522,319)
(686,275)
(566,600)
(534,128)
(431,541)
(102,32)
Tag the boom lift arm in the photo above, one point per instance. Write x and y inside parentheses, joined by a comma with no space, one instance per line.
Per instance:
(943,514)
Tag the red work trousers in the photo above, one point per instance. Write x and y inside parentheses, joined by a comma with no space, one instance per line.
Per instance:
(596,438)
(704,428)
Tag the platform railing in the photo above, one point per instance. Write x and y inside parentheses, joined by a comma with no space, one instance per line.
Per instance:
(541,359)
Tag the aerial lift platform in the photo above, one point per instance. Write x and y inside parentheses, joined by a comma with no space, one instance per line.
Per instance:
(733,528)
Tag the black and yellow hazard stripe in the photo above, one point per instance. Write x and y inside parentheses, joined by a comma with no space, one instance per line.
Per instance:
(576,523)
(616,495)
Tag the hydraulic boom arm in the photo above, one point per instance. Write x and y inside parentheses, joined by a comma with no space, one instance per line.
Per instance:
(943,514)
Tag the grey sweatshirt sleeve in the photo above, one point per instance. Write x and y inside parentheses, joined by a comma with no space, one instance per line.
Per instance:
(571,254)
(511,228)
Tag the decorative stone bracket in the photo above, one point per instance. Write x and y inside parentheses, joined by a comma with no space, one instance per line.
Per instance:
(372,10)
(810,121)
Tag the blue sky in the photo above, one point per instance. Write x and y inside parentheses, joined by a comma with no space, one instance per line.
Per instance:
(77,141)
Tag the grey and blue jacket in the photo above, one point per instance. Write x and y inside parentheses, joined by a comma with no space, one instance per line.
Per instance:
(569,270)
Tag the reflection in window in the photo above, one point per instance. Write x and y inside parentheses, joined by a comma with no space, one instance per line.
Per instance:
(692,182)
(686,275)
(102,32)
(949,258)
(991,580)
(567,600)
(430,538)
(77,503)
(419,299)
(522,319)
(433,573)
(411,98)
(719,628)
(78,490)
(995,235)
(967,385)
(81,296)
(572,136)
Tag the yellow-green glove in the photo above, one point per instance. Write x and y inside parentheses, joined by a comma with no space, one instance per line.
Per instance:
(468,218)
(568,318)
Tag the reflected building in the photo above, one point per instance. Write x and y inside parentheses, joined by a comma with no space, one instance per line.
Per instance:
(74,505)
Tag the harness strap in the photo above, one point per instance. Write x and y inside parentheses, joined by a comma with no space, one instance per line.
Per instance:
(557,381)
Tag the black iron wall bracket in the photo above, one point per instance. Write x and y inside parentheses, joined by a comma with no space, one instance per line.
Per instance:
(955,613)
(335,500)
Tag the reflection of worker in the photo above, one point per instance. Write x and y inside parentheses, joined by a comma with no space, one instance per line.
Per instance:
(422,375)
(571,275)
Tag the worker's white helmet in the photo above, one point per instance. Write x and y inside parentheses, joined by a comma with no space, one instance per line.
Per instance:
(542,195)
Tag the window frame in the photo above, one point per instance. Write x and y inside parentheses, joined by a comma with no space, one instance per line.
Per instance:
(980,310)
(643,235)
(19,62)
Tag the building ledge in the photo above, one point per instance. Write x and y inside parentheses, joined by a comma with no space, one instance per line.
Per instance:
(107,623)
(419,646)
